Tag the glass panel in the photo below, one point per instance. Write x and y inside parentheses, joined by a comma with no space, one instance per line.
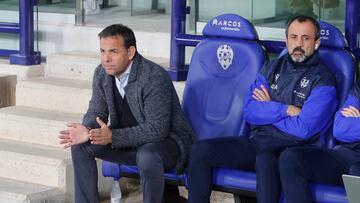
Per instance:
(57,6)
(332,11)
(9,41)
(52,6)
(139,7)
(9,5)
(110,10)
(269,16)
(9,13)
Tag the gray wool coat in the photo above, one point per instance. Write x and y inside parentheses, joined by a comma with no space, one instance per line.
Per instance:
(152,100)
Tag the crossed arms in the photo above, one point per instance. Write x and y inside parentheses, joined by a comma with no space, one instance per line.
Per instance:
(346,124)
(303,123)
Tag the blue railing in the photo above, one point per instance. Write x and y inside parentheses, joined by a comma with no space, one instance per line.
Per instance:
(25,29)
(179,38)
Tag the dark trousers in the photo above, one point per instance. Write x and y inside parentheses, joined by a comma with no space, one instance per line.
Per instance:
(300,165)
(237,153)
(152,159)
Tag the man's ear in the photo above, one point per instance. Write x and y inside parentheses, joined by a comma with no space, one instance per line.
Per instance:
(131,52)
(317,44)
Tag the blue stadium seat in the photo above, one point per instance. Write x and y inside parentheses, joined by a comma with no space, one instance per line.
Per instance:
(221,70)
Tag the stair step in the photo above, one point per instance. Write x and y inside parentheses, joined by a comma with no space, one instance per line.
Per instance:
(80,65)
(22,72)
(58,94)
(77,65)
(33,163)
(34,125)
(7,93)
(12,191)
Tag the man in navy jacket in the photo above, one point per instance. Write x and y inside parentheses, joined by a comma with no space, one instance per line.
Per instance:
(289,104)
(300,165)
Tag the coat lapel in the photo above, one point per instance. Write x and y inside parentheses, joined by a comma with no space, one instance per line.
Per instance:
(131,89)
(108,86)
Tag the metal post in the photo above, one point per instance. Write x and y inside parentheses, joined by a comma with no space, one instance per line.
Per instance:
(177,52)
(26,55)
(80,13)
(352,22)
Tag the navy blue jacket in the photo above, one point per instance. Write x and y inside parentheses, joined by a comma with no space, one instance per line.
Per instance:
(308,85)
(347,129)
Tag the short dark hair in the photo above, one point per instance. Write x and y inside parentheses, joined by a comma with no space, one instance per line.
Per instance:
(119,30)
(304,18)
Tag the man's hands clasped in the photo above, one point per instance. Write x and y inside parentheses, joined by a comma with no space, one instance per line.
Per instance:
(102,135)
(77,133)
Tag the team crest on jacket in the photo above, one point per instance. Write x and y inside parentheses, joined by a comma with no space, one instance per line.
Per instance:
(304,82)
(225,56)
(277,77)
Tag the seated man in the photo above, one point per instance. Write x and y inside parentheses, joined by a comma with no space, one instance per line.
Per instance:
(301,165)
(147,125)
(280,108)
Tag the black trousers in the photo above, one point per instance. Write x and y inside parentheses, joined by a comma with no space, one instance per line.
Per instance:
(152,159)
(301,165)
(237,153)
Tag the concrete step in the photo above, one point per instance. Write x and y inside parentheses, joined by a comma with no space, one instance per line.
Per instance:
(80,65)
(7,93)
(32,163)
(77,65)
(34,125)
(42,165)
(22,72)
(12,191)
(57,94)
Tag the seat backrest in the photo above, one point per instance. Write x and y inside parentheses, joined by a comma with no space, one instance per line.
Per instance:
(334,53)
(221,70)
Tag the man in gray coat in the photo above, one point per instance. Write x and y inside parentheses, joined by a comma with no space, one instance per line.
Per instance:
(147,127)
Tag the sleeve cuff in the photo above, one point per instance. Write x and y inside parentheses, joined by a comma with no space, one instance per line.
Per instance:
(284,108)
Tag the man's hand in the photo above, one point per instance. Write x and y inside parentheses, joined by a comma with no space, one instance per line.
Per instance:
(261,94)
(75,134)
(293,110)
(350,111)
(102,135)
